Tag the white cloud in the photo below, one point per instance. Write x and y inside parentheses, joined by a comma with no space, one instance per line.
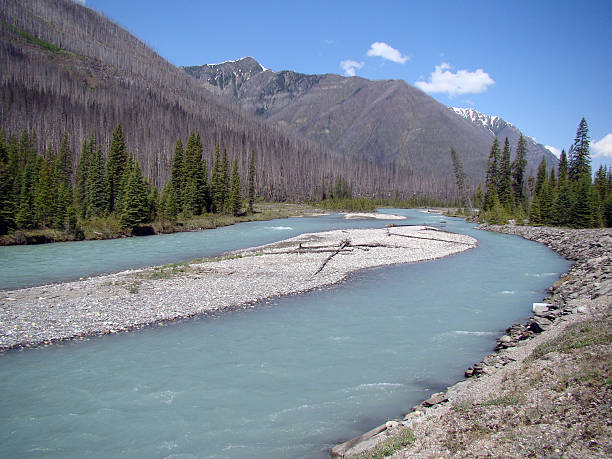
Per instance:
(554,150)
(349,67)
(603,148)
(442,80)
(82,2)
(381,49)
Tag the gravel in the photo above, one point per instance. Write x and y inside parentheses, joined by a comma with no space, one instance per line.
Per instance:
(136,298)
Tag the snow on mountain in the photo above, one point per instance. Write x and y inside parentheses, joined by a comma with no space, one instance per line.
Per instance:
(492,123)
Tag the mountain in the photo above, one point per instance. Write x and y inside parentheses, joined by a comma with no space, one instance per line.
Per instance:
(67,68)
(501,129)
(387,121)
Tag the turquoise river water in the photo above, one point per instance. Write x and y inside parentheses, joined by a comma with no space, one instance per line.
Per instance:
(286,379)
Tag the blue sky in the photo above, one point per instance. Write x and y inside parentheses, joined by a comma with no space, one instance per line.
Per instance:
(541,65)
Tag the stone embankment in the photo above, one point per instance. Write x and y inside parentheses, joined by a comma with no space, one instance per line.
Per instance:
(546,391)
(133,299)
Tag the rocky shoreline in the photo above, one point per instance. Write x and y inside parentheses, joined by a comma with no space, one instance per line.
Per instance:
(138,298)
(546,390)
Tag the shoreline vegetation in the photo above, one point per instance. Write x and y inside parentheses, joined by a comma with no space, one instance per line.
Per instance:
(137,298)
(544,391)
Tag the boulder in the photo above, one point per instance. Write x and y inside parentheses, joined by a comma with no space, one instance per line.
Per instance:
(435,399)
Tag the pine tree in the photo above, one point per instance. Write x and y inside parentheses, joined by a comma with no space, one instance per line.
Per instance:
(225,181)
(235,198)
(97,190)
(45,197)
(7,204)
(177,174)
(168,204)
(506,197)
(580,154)
(25,214)
(82,172)
(117,160)
(216,183)
(492,176)
(135,207)
(581,216)
(251,184)
(63,163)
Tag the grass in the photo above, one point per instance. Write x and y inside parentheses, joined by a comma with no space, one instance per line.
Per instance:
(34,40)
(399,440)
(506,400)
(577,336)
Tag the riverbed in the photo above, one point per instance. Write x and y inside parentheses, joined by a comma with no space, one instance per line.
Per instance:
(290,377)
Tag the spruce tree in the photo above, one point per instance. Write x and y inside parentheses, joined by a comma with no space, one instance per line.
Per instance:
(7,204)
(168,204)
(97,190)
(216,183)
(506,197)
(45,197)
(492,176)
(177,174)
(63,161)
(581,209)
(225,181)
(580,154)
(541,177)
(135,207)
(82,172)
(235,198)
(117,160)
(251,184)
(26,211)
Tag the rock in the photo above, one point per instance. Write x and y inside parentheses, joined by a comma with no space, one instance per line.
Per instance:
(540,308)
(582,309)
(435,399)
(392,424)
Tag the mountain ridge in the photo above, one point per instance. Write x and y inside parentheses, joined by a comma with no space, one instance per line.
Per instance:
(384,120)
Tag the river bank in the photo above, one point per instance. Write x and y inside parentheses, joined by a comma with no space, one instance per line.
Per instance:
(137,298)
(546,391)
(109,227)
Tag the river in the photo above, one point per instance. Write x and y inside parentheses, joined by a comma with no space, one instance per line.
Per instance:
(287,379)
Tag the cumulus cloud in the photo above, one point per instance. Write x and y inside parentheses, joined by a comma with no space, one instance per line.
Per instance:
(349,67)
(381,49)
(603,147)
(554,150)
(443,80)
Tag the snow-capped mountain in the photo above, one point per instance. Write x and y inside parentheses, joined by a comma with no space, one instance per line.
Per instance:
(498,127)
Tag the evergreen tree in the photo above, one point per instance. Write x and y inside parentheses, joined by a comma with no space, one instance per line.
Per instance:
(492,176)
(225,181)
(563,168)
(7,203)
(581,209)
(580,154)
(63,163)
(601,182)
(25,214)
(135,209)
(607,211)
(168,204)
(117,160)
(97,197)
(235,198)
(45,197)
(82,173)
(216,183)
(460,179)
(505,192)
(251,184)
(177,174)
(541,177)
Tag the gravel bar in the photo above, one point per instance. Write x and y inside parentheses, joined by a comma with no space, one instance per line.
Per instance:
(133,299)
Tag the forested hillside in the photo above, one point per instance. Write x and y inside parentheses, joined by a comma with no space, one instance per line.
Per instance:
(66,69)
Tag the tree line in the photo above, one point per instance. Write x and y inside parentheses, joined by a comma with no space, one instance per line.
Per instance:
(567,196)
(43,191)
